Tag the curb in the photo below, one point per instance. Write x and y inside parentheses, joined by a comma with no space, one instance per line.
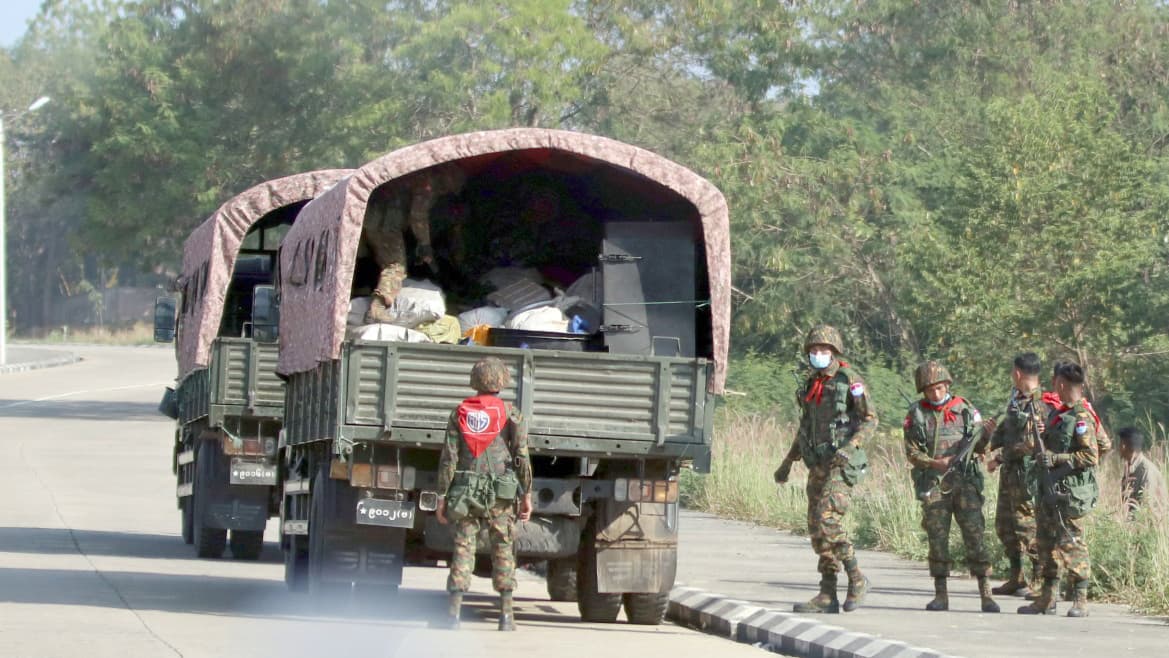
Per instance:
(62,360)
(780,632)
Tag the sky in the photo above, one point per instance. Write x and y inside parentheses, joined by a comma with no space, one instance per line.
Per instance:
(14,17)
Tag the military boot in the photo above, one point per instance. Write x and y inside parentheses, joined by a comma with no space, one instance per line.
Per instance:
(451,621)
(988,604)
(1080,600)
(1044,603)
(941,596)
(858,586)
(506,614)
(825,601)
(1016,584)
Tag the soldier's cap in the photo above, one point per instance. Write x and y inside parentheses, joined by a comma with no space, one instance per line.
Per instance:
(1071,373)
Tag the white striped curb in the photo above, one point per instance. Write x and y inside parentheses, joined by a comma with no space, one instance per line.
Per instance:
(51,362)
(780,632)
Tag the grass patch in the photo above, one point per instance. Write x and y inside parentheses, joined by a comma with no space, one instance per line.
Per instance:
(1130,560)
(141,333)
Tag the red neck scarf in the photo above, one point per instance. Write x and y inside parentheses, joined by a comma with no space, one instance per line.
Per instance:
(1051,399)
(816,391)
(481,419)
(947,409)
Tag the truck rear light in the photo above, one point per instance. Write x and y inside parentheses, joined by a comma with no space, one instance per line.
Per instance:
(621,490)
(634,490)
(428,501)
(388,477)
(361,475)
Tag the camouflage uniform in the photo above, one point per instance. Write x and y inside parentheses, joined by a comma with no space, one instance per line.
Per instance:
(932,431)
(1071,439)
(836,418)
(1015,511)
(406,205)
(1143,486)
(507,452)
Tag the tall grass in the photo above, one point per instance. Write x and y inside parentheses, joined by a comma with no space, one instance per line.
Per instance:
(1130,559)
(140,333)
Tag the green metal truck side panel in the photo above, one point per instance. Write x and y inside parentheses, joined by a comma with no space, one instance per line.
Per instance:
(579,401)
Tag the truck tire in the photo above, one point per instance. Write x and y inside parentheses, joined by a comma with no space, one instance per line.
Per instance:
(319,525)
(186,505)
(209,542)
(247,544)
(296,564)
(594,606)
(562,579)
(646,609)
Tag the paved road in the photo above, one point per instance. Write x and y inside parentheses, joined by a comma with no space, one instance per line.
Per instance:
(91,563)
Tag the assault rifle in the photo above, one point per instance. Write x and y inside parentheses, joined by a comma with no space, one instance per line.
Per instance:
(961,460)
(1051,492)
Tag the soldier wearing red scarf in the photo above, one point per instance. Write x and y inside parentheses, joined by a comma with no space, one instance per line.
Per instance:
(942,433)
(483,470)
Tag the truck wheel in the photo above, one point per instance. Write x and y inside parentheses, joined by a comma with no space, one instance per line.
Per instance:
(247,544)
(646,609)
(594,606)
(296,564)
(188,519)
(562,579)
(320,522)
(209,542)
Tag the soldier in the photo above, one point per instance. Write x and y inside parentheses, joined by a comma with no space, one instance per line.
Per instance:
(1012,441)
(941,431)
(836,417)
(483,467)
(1142,484)
(392,209)
(1065,477)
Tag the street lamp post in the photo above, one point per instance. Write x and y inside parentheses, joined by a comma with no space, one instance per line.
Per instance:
(36,105)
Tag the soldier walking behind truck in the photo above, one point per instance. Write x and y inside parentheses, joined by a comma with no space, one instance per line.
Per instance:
(836,418)
(942,433)
(1064,475)
(483,469)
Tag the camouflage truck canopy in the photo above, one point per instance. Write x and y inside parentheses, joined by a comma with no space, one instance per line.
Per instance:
(323,243)
(210,253)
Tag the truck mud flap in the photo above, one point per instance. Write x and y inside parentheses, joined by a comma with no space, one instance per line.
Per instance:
(341,551)
(542,538)
(636,569)
(239,513)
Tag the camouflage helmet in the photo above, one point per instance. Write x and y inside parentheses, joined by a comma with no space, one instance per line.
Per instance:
(823,334)
(489,375)
(930,373)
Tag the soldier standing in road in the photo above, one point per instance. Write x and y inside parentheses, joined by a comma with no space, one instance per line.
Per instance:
(391,210)
(836,418)
(1012,443)
(941,431)
(1142,486)
(483,468)
(1065,478)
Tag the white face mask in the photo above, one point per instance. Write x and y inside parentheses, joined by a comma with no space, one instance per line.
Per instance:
(820,360)
(942,401)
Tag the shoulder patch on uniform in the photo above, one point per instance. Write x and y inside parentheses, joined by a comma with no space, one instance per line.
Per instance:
(908,422)
(1081,427)
(857,389)
(977,417)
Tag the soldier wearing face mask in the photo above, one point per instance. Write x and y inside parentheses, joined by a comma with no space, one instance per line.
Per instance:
(836,418)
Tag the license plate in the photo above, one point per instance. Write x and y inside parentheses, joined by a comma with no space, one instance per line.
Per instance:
(388,513)
(252,472)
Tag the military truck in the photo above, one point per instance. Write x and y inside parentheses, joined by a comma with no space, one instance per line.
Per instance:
(228,402)
(611,418)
